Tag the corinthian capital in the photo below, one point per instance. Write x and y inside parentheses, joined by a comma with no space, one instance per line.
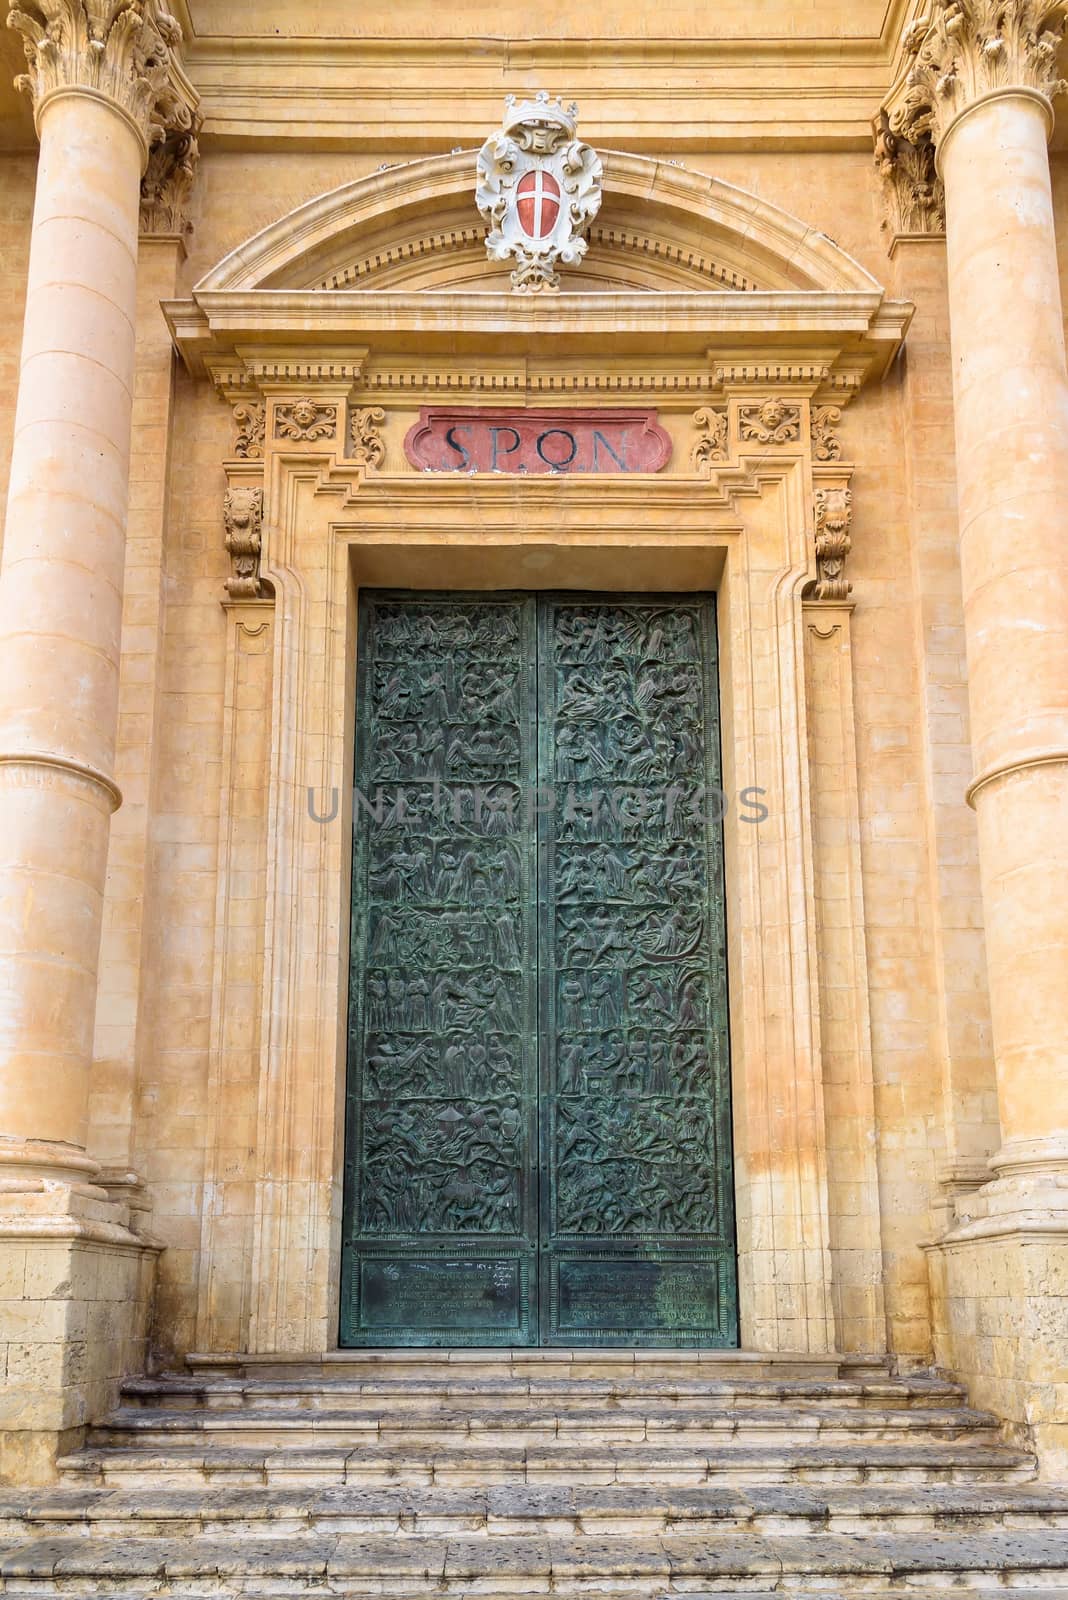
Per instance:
(124,49)
(961,50)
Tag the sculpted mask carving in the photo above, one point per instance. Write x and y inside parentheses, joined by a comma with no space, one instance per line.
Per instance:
(539,189)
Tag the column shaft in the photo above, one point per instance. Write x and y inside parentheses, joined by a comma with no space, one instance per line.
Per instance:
(60,609)
(1011,406)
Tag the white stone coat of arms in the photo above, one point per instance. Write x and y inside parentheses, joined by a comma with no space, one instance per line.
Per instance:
(539,188)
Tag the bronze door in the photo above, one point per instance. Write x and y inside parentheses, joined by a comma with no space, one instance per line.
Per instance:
(538,1120)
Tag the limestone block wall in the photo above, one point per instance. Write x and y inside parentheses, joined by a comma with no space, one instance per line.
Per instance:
(158,1036)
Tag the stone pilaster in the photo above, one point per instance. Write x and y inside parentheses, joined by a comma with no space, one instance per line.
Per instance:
(980,79)
(106,85)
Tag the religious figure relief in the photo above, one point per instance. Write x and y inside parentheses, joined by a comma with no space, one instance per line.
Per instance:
(250,423)
(368,448)
(771,422)
(242,518)
(712,442)
(421,632)
(538,190)
(630,1165)
(441,1166)
(305,421)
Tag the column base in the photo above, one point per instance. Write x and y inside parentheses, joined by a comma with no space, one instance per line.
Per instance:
(999,1290)
(76,1285)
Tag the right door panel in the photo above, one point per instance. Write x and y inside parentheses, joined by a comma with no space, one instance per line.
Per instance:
(637,1226)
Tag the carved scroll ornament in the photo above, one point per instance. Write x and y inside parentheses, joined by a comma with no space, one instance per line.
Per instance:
(250,423)
(711,444)
(368,445)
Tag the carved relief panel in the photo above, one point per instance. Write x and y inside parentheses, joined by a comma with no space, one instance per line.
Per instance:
(538,1134)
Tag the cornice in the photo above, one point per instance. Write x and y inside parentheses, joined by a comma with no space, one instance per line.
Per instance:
(776,91)
(853,335)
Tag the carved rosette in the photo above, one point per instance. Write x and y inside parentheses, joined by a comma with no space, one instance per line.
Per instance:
(913,193)
(168,181)
(305,421)
(368,446)
(770,422)
(961,50)
(826,445)
(243,518)
(127,52)
(712,438)
(250,422)
(834,516)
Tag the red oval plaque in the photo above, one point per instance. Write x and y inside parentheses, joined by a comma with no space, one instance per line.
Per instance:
(538,204)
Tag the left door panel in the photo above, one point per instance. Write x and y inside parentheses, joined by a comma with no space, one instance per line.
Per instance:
(441,1173)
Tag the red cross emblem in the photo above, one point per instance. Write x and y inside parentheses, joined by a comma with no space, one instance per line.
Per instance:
(538,204)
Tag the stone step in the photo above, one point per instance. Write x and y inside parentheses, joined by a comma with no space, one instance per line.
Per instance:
(484,1464)
(319,1564)
(404,1363)
(720,1425)
(628,1391)
(518,1510)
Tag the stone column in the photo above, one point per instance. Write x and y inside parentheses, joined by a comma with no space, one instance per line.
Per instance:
(980,79)
(105,86)
(99,78)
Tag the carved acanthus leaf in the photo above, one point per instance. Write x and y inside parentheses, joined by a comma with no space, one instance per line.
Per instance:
(127,51)
(834,515)
(305,421)
(913,193)
(711,444)
(826,445)
(250,423)
(368,446)
(771,422)
(243,517)
(168,181)
(961,50)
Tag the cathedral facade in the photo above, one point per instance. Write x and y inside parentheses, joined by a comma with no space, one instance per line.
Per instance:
(533,691)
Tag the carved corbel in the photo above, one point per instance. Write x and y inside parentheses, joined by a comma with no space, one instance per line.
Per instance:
(833,517)
(243,519)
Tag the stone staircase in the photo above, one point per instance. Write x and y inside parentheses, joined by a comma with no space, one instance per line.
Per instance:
(593,1474)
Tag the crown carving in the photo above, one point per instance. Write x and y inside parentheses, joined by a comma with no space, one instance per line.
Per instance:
(541,111)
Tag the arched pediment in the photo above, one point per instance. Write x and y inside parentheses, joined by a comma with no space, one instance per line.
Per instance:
(681,269)
(661,228)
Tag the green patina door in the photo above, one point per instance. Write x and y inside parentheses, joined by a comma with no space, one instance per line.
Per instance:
(538,1131)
